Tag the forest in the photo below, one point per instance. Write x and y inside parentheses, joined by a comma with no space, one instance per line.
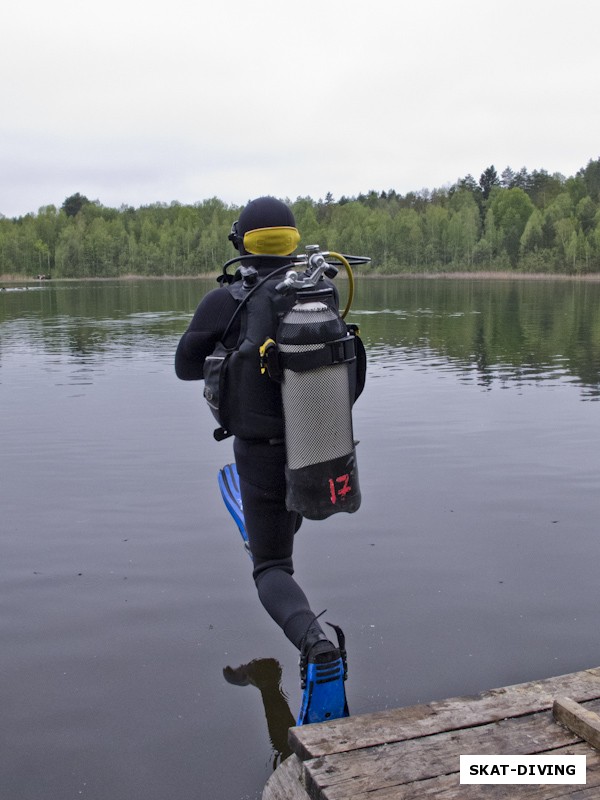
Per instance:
(530,222)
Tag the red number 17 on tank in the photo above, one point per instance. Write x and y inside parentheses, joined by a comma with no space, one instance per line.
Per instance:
(339,487)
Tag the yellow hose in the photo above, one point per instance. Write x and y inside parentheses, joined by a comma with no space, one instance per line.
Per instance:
(348,269)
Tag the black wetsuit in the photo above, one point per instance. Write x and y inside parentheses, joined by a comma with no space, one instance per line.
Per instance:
(270,526)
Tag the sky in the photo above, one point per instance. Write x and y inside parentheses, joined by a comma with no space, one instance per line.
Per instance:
(134,103)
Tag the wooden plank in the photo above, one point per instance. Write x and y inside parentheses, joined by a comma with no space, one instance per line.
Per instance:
(396,725)
(286,782)
(447,787)
(579,719)
(346,775)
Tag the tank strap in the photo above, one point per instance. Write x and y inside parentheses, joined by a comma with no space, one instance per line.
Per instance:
(339,351)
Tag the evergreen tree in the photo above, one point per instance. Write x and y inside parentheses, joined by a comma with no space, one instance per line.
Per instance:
(73,204)
(487,181)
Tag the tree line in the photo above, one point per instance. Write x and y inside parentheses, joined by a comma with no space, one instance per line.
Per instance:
(522,221)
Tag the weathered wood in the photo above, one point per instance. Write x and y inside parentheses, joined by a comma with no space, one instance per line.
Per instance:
(414,753)
(447,787)
(348,775)
(396,725)
(286,782)
(579,719)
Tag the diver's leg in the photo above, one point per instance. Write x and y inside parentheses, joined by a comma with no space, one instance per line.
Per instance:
(271,528)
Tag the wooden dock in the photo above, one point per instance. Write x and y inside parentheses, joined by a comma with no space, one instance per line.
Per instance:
(413,752)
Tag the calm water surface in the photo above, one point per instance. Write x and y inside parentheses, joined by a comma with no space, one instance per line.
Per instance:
(473,562)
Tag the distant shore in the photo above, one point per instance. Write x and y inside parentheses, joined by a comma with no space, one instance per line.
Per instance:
(593,277)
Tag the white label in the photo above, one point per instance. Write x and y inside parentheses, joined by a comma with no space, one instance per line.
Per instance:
(523,769)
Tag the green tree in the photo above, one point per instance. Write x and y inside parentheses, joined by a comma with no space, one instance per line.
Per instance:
(48,224)
(511,209)
(74,203)
(69,251)
(532,238)
(43,252)
(544,188)
(488,180)
(435,229)
(586,214)
(409,235)
(306,221)
(515,180)
(591,178)
(487,250)
(464,227)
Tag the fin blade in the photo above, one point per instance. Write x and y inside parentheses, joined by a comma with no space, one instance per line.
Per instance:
(229,484)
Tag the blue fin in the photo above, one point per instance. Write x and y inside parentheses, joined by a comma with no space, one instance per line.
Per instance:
(324,696)
(229,484)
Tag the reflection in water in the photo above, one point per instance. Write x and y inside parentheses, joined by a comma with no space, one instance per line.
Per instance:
(265,674)
(499,332)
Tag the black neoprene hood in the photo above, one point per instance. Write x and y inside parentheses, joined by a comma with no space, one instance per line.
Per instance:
(265,212)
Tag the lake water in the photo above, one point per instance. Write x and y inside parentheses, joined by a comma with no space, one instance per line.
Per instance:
(473,562)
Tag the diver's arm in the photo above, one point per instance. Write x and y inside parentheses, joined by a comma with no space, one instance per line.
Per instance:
(205,330)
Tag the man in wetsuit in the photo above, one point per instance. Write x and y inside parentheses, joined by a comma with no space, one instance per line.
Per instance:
(260,461)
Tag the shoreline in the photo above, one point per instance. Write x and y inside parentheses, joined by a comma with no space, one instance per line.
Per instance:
(592,277)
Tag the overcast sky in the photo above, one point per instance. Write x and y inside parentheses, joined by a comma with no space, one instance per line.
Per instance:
(134,103)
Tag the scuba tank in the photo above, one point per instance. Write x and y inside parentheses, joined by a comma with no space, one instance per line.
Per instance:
(314,377)
(317,356)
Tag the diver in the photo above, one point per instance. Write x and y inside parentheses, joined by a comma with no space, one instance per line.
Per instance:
(254,488)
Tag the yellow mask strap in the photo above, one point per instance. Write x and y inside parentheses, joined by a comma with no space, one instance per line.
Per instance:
(280,241)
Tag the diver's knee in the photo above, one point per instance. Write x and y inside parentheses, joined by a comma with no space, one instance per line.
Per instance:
(266,568)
